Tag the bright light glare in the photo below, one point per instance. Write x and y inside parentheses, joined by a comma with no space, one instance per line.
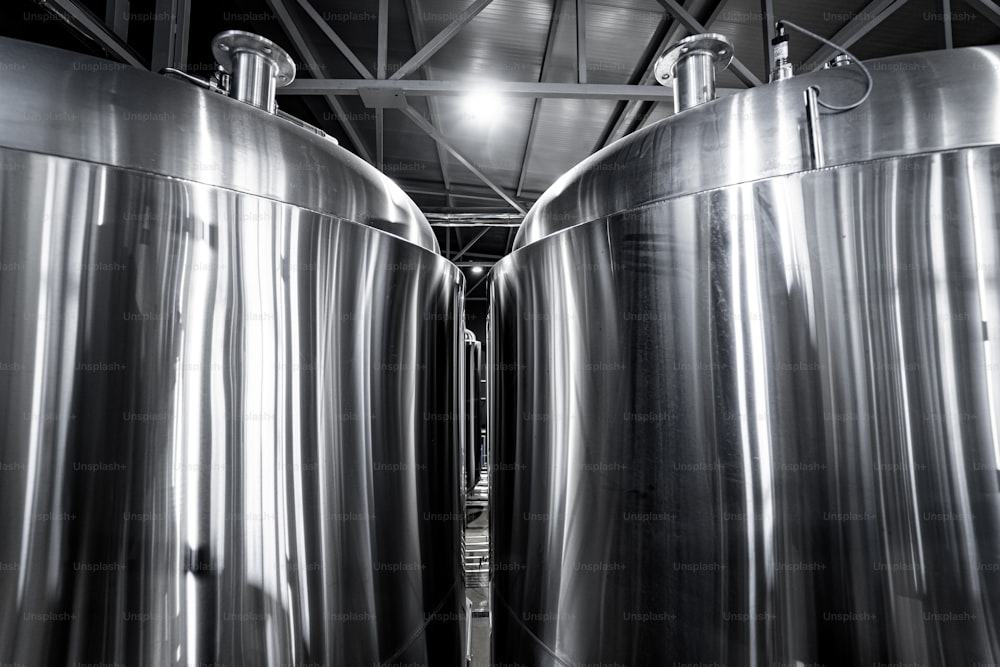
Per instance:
(481,106)
(477,270)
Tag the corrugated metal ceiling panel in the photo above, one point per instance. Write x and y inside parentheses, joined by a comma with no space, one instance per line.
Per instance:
(568,130)
(505,42)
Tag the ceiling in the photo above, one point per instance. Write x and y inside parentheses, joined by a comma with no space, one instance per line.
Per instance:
(574,75)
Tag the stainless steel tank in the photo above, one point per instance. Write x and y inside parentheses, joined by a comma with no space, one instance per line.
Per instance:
(744,401)
(230,353)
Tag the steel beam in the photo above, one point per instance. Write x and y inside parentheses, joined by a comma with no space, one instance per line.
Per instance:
(478,283)
(479,257)
(417,32)
(863,22)
(332,35)
(945,7)
(528,147)
(383,37)
(418,190)
(383,52)
(83,20)
(440,39)
(550,41)
(182,30)
(116,18)
(416,88)
(473,219)
(621,122)
(170,34)
(422,123)
(767,29)
(469,245)
(306,53)
(581,41)
(990,10)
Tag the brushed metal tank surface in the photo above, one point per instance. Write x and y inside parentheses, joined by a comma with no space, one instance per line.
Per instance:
(228,399)
(755,426)
(759,133)
(76,106)
(227,432)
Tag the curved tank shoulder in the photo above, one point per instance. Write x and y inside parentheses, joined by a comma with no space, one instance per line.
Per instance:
(80,107)
(919,103)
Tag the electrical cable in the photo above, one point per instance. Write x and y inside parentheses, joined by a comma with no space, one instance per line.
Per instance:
(834,107)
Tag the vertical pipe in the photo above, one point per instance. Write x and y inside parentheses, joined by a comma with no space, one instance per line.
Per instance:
(252,80)
(691,63)
(767,26)
(581,41)
(694,81)
(379,137)
(813,136)
(946,16)
(257,67)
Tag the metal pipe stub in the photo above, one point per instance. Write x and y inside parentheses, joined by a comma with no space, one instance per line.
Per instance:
(256,65)
(692,64)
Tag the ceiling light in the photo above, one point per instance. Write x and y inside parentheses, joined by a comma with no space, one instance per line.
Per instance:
(481,106)
(476,270)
